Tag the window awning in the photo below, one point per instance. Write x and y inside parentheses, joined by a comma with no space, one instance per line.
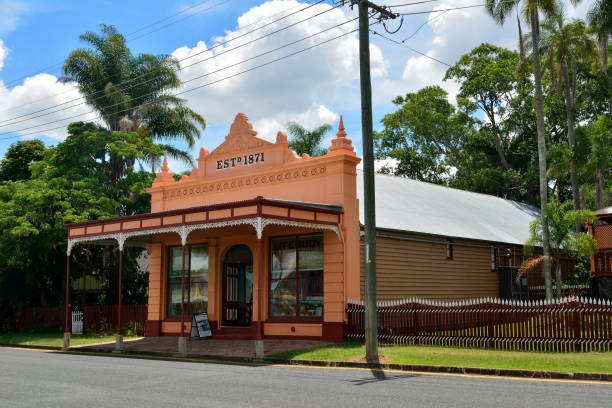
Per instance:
(258,213)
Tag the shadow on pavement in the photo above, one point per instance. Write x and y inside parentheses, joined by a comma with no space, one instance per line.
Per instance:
(378,375)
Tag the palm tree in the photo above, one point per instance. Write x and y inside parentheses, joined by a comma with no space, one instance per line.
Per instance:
(500,10)
(132,93)
(600,20)
(304,141)
(568,42)
(563,238)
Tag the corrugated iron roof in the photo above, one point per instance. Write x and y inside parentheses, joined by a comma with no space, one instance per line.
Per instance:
(415,206)
(604,211)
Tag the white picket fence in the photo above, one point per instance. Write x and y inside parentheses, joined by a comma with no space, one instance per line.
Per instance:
(77,322)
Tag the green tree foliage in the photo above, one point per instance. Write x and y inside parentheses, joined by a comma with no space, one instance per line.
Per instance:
(427,135)
(18,158)
(434,141)
(488,77)
(71,184)
(132,93)
(562,236)
(304,141)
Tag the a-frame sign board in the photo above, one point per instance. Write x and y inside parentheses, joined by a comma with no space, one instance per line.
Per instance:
(200,327)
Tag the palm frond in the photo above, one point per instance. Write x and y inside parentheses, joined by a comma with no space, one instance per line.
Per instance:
(530,265)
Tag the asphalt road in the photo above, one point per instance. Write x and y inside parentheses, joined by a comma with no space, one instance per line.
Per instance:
(34,378)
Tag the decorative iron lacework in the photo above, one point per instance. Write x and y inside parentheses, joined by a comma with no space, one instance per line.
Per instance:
(258,223)
(272,221)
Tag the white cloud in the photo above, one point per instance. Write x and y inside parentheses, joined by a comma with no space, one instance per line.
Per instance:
(379,164)
(296,88)
(39,92)
(3,53)
(456,33)
(11,11)
(299,88)
(315,116)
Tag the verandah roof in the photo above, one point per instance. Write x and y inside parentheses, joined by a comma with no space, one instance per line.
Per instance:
(258,212)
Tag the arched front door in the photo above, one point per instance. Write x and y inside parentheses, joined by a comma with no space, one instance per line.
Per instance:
(238,286)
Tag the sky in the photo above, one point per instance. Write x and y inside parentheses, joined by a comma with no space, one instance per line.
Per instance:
(220,55)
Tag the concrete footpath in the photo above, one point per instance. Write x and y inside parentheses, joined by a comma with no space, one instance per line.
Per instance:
(244,355)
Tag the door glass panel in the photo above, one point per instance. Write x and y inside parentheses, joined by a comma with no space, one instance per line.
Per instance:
(199,278)
(174,279)
(196,279)
(238,281)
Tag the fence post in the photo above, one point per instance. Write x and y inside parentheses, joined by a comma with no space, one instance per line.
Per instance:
(576,326)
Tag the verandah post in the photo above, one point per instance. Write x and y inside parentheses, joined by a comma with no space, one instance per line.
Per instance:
(259,335)
(182,341)
(119,337)
(259,342)
(67,323)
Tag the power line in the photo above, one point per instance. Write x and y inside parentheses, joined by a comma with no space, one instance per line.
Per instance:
(127,40)
(410,48)
(442,11)
(101,92)
(168,18)
(16,80)
(206,84)
(445,10)
(179,20)
(421,26)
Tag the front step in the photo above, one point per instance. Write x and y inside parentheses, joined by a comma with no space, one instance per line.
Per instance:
(233,333)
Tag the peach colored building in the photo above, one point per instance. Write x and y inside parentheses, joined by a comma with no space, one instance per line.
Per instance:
(270,239)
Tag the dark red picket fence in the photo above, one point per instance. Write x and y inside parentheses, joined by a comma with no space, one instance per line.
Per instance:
(103,318)
(97,318)
(539,292)
(561,325)
(39,318)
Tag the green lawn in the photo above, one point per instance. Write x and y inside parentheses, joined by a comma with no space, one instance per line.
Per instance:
(53,339)
(446,356)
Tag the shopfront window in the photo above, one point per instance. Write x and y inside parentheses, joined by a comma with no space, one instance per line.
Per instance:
(196,279)
(296,276)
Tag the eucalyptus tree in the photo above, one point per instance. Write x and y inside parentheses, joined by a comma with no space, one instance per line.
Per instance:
(488,77)
(304,141)
(500,10)
(567,43)
(132,92)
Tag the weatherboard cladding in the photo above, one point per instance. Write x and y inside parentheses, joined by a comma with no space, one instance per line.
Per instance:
(420,269)
(404,204)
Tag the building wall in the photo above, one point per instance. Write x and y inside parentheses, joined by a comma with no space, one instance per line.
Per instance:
(419,269)
(329,179)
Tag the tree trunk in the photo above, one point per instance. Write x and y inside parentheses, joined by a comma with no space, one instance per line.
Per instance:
(42,296)
(559,278)
(498,145)
(604,61)
(520,32)
(583,194)
(569,110)
(599,190)
(553,78)
(537,73)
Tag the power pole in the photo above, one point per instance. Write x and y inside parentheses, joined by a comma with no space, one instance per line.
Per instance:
(371,328)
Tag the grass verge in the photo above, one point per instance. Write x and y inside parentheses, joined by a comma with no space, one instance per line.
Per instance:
(456,357)
(53,339)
